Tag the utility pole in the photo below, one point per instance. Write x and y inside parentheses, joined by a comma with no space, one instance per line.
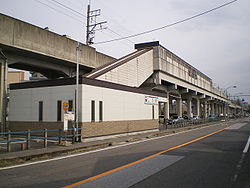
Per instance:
(77,91)
(92,25)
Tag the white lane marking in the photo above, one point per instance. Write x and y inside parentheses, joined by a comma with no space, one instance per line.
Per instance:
(236,126)
(247,145)
(131,175)
(103,149)
(238,167)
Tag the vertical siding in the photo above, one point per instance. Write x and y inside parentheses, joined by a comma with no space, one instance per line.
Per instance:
(133,73)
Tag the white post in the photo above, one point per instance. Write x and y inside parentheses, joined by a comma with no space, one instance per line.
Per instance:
(166,107)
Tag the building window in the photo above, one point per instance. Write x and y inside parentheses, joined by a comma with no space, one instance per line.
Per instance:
(153,112)
(100,111)
(93,111)
(70,105)
(59,110)
(40,111)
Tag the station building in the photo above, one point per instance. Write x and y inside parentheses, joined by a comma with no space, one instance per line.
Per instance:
(125,96)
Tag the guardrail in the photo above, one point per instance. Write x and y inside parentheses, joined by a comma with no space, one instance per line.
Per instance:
(185,123)
(72,134)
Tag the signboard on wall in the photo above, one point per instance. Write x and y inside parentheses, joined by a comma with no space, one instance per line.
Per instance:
(67,117)
(65,106)
(151,100)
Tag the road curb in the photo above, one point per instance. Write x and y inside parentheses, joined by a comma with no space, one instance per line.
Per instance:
(13,160)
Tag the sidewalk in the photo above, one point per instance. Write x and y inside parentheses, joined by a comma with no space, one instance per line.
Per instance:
(54,151)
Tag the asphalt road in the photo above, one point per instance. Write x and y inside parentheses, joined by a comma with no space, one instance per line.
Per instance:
(207,157)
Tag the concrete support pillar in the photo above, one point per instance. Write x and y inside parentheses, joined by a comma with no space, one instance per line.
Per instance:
(189,107)
(212,108)
(205,109)
(208,108)
(220,109)
(166,110)
(198,104)
(3,93)
(224,109)
(179,107)
(216,109)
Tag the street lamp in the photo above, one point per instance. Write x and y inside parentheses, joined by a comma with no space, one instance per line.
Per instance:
(226,105)
(225,91)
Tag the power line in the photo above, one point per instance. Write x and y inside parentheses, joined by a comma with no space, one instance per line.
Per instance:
(64,6)
(119,35)
(68,8)
(58,11)
(169,25)
(109,34)
(74,2)
(65,9)
(115,22)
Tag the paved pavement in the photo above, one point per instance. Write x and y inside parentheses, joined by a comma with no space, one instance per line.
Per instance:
(217,161)
(203,161)
(55,150)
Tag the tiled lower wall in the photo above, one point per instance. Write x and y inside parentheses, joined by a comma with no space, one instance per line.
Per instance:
(117,127)
(90,129)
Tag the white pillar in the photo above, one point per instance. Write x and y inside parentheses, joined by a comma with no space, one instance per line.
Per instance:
(205,109)
(166,110)
(224,109)
(189,107)
(179,107)
(208,108)
(198,107)
(216,109)
(212,108)
(220,109)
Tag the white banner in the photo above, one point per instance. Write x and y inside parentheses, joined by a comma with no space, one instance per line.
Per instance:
(151,100)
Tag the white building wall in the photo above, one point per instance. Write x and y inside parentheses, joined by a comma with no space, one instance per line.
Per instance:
(117,105)
(24,102)
(133,73)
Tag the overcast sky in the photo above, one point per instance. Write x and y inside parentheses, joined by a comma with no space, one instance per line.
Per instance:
(218,43)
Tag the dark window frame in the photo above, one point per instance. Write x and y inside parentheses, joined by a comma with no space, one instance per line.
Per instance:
(59,110)
(92,111)
(40,111)
(100,111)
(153,112)
(71,105)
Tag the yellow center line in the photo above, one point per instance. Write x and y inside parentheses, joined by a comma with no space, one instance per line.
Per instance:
(141,160)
